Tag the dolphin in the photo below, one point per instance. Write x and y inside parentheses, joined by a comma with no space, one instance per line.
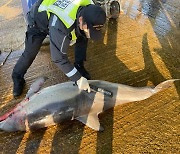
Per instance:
(64,101)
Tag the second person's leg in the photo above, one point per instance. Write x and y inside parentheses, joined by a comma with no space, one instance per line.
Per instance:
(33,42)
(80,56)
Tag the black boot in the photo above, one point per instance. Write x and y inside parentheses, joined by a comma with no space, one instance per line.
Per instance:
(18,86)
(82,70)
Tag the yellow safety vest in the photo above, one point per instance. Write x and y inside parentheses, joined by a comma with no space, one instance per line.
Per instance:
(66,10)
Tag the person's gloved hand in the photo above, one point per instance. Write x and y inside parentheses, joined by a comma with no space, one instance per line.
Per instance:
(83,84)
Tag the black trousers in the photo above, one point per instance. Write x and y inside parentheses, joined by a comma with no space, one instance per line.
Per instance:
(80,49)
(33,42)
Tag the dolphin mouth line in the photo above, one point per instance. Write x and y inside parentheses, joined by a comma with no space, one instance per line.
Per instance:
(11,112)
(5,116)
(8,114)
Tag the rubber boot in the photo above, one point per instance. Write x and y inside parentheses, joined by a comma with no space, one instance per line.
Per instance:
(18,85)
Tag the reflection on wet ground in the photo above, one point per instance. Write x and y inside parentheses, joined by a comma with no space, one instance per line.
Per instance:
(141,48)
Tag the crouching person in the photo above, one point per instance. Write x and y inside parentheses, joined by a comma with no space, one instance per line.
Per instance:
(66,22)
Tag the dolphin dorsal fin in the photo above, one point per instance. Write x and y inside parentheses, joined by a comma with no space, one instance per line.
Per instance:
(35,87)
(91,121)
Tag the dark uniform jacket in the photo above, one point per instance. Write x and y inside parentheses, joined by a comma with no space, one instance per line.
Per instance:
(60,39)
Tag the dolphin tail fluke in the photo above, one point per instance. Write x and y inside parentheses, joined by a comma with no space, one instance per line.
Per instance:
(164,85)
(35,87)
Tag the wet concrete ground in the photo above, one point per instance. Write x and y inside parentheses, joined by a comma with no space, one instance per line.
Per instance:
(141,48)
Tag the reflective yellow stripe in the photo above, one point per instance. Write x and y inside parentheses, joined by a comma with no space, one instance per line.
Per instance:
(42,8)
(61,14)
(73,35)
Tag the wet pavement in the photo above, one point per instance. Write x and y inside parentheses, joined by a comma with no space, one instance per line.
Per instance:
(141,48)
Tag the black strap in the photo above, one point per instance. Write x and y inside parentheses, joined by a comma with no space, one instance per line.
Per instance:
(70,29)
(101,90)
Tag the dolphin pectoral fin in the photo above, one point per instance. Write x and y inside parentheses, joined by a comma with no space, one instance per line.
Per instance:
(91,121)
(35,87)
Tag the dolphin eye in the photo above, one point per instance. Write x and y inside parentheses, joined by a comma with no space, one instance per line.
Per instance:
(11,115)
